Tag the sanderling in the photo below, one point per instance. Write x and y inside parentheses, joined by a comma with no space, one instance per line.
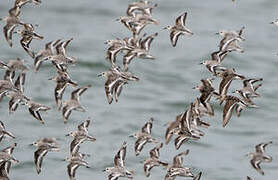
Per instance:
(6,166)
(227,76)
(114,49)
(43,55)
(232,102)
(140,51)
(42,150)
(153,160)
(119,169)
(215,62)
(74,103)
(173,128)
(4,132)
(80,136)
(249,89)
(62,81)
(143,137)
(259,156)
(206,90)
(176,168)
(17,96)
(6,159)
(20,3)
(27,35)
(144,6)
(12,21)
(12,66)
(75,160)
(115,79)
(230,40)
(178,29)
(5,87)
(35,108)
(61,59)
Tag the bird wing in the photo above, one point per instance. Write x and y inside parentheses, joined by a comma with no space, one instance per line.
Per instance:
(181,19)
(38,158)
(147,128)
(119,159)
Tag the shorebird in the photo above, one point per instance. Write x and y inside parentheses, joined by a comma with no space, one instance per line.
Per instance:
(7,165)
(259,156)
(12,66)
(115,79)
(227,34)
(230,45)
(12,21)
(227,75)
(206,90)
(46,140)
(17,96)
(74,102)
(4,132)
(27,35)
(173,128)
(142,6)
(61,59)
(275,22)
(80,136)
(143,137)
(137,23)
(20,3)
(119,169)
(230,40)
(249,89)
(200,110)
(176,168)
(6,158)
(43,149)
(215,62)
(43,55)
(75,160)
(35,108)
(5,87)
(232,102)
(62,81)
(140,51)
(178,29)
(116,47)
(153,160)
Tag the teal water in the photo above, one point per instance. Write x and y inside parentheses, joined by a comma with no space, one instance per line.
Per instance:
(164,89)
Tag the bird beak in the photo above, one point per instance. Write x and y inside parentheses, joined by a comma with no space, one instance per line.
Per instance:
(217,33)
(30,144)
(99,75)
(118,19)
(103,170)
(201,63)
(130,136)
(271,23)
(67,134)
(164,28)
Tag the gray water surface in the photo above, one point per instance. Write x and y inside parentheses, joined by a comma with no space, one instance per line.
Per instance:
(164,89)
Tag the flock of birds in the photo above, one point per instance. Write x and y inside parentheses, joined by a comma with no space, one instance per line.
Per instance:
(186,125)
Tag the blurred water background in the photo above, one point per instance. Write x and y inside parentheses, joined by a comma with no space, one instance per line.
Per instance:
(164,89)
